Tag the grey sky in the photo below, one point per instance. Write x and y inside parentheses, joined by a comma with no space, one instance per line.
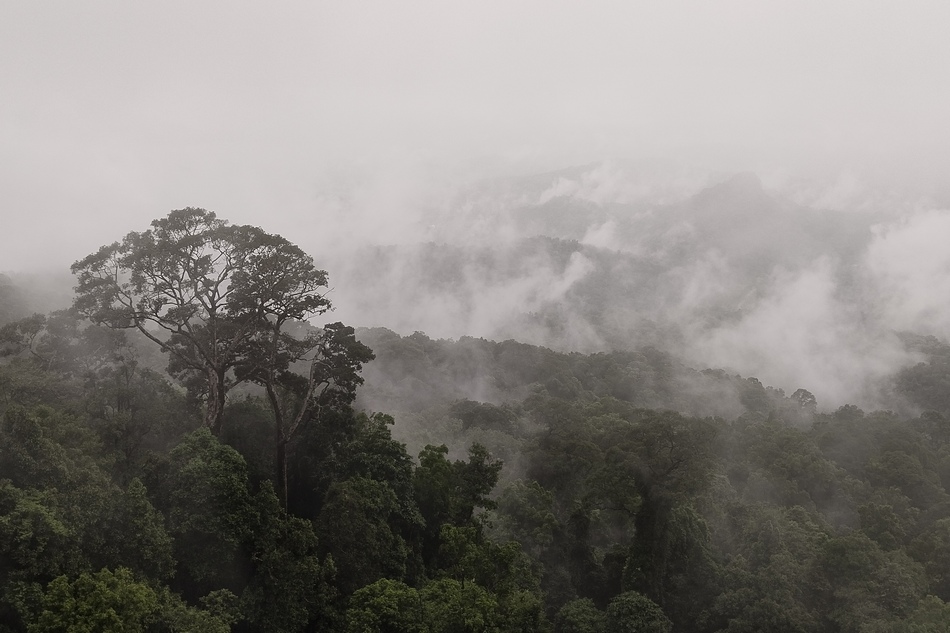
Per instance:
(113,113)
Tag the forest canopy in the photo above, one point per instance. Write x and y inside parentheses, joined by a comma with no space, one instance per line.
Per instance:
(183,450)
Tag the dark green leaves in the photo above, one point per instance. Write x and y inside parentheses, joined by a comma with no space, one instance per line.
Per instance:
(203,291)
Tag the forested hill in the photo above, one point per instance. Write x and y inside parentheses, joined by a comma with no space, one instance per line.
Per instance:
(569,497)
(576,270)
(798,287)
(414,373)
(181,450)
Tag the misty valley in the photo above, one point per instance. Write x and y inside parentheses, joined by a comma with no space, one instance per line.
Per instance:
(602,399)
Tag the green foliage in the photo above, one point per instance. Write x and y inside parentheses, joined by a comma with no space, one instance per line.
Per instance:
(906,472)
(932,549)
(45,448)
(136,413)
(136,536)
(386,606)
(885,526)
(932,615)
(927,384)
(176,616)
(580,616)
(27,384)
(526,515)
(289,587)
(771,580)
(104,602)
(372,453)
(452,491)
(64,343)
(522,611)
(367,549)
(35,543)
(446,605)
(787,458)
(466,554)
(114,602)
(415,373)
(867,585)
(210,509)
(51,458)
(133,409)
(632,612)
(448,493)
(456,607)
(483,415)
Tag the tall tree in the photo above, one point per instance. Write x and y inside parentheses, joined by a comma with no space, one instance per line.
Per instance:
(335,358)
(202,290)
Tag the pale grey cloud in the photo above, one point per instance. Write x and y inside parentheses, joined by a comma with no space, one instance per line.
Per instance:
(910,264)
(803,334)
(339,124)
(114,112)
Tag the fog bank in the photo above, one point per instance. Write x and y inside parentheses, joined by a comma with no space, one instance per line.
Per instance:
(725,270)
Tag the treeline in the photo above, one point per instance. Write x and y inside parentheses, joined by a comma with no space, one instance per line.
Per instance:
(182,451)
(573,274)
(120,511)
(767,516)
(415,372)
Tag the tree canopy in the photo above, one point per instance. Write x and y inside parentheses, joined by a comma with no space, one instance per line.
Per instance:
(204,291)
(539,491)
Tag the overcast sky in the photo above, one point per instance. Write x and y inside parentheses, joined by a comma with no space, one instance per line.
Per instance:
(112,113)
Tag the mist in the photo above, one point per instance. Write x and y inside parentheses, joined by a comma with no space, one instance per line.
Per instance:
(755,187)
(723,270)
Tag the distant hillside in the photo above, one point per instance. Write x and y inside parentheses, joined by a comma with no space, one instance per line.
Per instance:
(22,294)
(414,373)
(725,271)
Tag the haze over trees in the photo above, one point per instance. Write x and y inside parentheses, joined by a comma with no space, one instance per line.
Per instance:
(183,450)
(211,291)
(219,300)
(419,365)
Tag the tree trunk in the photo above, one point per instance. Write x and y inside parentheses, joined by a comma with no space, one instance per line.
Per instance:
(645,570)
(280,442)
(281,456)
(214,411)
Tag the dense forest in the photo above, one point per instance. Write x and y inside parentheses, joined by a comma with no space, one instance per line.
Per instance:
(181,449)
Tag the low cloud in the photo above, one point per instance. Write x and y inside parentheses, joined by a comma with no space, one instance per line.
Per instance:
(802,334)
(909,263)
(738,275)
